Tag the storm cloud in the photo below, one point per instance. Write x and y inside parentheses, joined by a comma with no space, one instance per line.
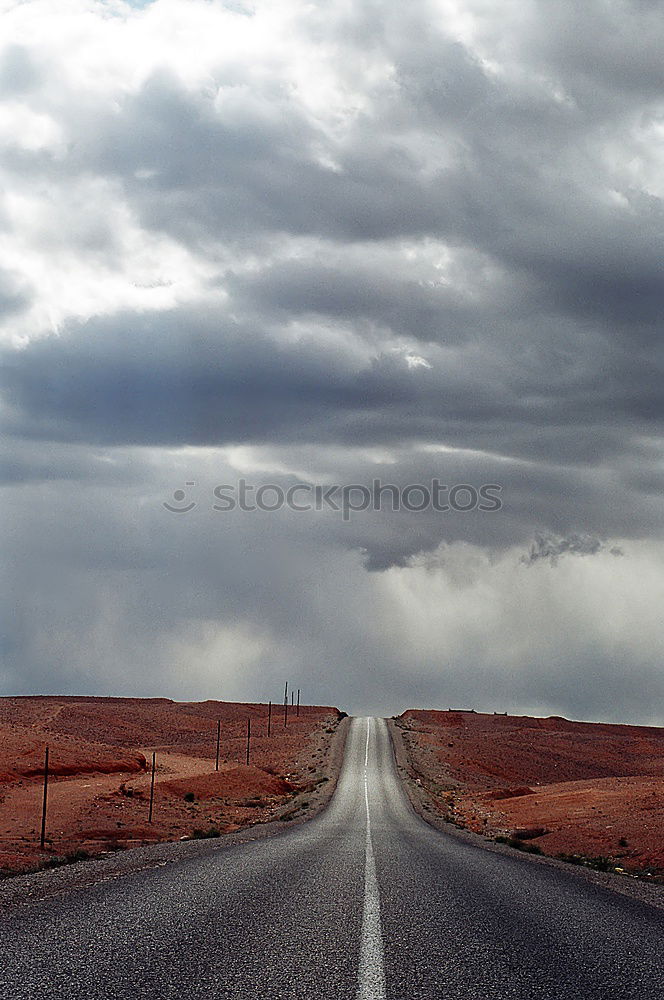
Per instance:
(329,243)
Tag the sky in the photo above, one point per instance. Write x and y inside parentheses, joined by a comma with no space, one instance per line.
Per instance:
(329,243)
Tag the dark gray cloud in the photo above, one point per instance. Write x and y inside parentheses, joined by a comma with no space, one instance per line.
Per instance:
(376,241)
(551,548)
(191,377)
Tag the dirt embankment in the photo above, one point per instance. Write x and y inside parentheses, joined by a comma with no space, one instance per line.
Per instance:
(590,793)
(100,752)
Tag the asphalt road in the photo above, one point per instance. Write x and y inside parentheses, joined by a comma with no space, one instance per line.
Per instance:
(365,901)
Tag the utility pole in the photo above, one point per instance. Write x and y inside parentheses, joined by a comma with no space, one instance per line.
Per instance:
(42,840)
(248,737)
(154,764)
(269,718)
(216,766)
(298,703)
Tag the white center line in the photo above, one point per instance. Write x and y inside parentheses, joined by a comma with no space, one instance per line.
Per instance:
(371,973)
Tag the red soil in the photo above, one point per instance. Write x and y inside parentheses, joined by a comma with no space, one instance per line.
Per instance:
(590,789)
(235,782)
(99,785)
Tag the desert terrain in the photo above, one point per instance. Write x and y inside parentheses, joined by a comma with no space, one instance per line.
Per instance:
(100,754)
(589,793)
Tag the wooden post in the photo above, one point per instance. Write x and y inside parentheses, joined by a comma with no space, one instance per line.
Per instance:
(248,737)
(298,703)
(285,711)
(216,766)
(269,718)
(154,762)
(42,839)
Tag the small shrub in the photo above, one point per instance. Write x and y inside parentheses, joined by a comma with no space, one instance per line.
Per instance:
(529,833)
(599,864)
(518,845)
(623,842)
(78,855)
(527,848)
(189,797)
(210,833)
(55,862)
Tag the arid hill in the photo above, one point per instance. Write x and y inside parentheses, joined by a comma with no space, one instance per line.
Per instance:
(590,791)
(100,752)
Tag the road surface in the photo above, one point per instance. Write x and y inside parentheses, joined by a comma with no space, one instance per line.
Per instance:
(365,901)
